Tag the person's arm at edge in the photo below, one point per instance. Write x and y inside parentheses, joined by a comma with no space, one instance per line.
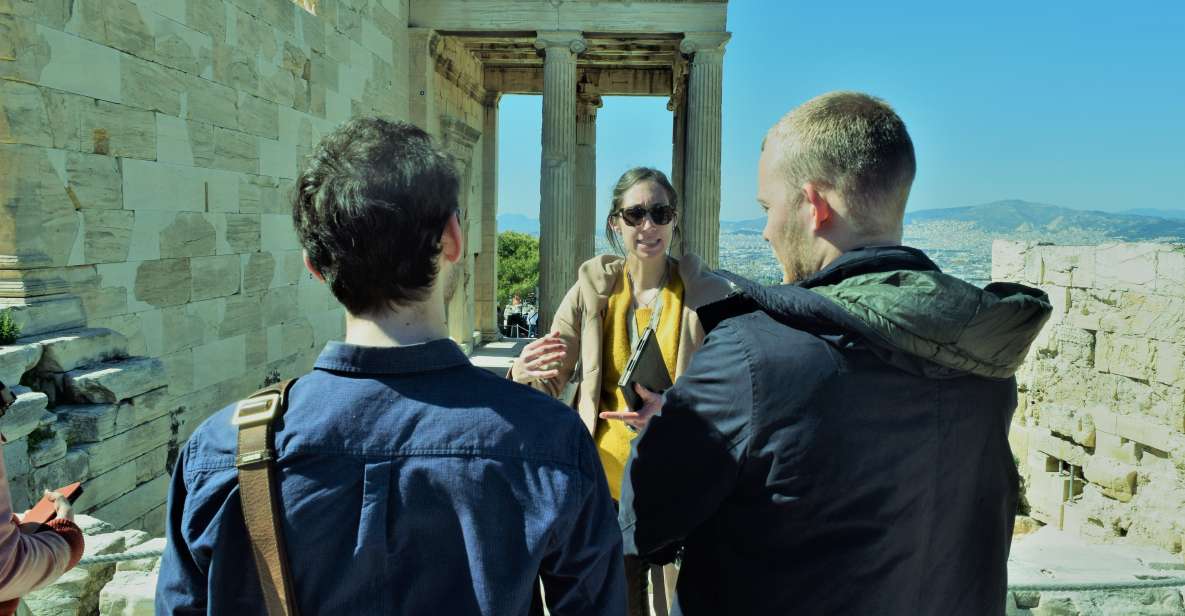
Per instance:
(686,461)
(32,561)
(181,584)
(567,324)
(585,573)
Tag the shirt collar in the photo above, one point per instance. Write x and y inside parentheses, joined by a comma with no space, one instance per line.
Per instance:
(433,355)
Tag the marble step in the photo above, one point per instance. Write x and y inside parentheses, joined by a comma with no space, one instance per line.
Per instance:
(114,381)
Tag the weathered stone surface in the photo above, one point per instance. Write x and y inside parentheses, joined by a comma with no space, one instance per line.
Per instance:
(46,445)
(104,488)
(119,130)
(129,593)
(214,276)
(235,151)
(258,116)
(242,315)
(149,186)
(277,233)
(184,142)
(128,445)
(190,235)
(107,235)
(243,232)
(71,349)
(179,367)
(1170,271)
(73,64)
(24,416)
(115,381)
(211,102)
(23,117)
(40,225)
(92,423)
(94,181)
(183,48)
(219,361)
(73,466)
(164,282)
(1170,362)
(258,271)
(16,360)
(1116,479)
(151,86)
(280,305)
(133,505)
(1129,267)
(1124,355)
(236,66)
(48,315)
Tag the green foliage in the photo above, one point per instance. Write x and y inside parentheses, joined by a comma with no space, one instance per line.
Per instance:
(9,330)
(518,265)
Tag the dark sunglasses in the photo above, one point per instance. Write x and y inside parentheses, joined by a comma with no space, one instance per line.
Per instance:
(659,215)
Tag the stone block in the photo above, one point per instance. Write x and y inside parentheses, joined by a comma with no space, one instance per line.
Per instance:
(211,102)
(208,17)
(115,23)
(23,116)
(277,233)
(71,349)
(114,381)
(46,445)
(277,85)
(16,360)
(235,151)
(1170,269)
(217,276)
(1043,441)
(93,181)
(183,48)
(1116,479)
(24,416)
(279,13)
(129,593)
(1067,266)
(280,304)
(1128,267)
(76,65)
(16,457)
(151,86)
(107,235)
(73,466)
(118,130)
(155,186)
(1117,448)
(189,235)
(1124,355)
(40,225)
(1146,432)
(313,29)
(218,361)
(243,314)
(179,368)
(1045,492)
(184,142)
(243,232)
(236,67)
(133,505)
(124,478)
(39,316)
(164,282)
(129,445)
(95,422)
(1169,367)
(258,116)
(258,271)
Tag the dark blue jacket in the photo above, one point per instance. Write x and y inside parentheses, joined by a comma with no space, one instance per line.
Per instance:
(412,483)
(840,446)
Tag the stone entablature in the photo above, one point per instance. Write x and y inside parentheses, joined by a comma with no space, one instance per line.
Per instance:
(1100,428)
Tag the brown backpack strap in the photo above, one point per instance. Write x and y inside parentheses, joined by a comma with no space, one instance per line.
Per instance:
(260,494)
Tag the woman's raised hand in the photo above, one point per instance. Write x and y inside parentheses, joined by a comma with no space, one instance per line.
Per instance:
(540,360)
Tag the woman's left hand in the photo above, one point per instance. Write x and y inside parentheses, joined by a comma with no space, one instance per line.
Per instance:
(651,406)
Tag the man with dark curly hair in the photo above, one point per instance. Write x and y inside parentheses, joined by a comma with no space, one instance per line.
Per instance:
(410,481)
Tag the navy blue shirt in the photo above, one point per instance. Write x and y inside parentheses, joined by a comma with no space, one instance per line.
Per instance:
(412,482)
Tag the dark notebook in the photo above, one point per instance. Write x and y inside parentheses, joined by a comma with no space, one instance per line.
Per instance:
(647,368)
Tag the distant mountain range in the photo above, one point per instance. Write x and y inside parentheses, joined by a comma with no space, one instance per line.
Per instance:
(1013,216)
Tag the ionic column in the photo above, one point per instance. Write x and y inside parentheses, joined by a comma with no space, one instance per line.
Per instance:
(701,175)
(586,176)
(558,221)
(677,105)
(486,301)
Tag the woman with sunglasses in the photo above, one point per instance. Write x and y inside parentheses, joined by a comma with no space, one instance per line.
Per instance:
(591,339)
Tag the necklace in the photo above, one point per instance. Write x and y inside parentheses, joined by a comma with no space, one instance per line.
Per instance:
(662,283)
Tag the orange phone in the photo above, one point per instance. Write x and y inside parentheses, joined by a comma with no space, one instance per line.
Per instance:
(45,509)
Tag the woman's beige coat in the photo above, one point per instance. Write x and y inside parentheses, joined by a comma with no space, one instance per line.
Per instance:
(581,315)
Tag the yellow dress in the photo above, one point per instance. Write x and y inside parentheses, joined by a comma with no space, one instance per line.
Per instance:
(612,436)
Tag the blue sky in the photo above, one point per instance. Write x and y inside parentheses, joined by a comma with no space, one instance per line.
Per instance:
(1079,104)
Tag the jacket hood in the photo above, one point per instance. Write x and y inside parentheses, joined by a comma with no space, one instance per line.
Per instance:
(897,302)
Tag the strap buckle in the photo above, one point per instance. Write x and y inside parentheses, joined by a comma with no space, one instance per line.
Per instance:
(256,411)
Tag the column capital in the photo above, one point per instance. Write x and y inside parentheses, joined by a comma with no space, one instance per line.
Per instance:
(710,43)
(491,98)
(573,40)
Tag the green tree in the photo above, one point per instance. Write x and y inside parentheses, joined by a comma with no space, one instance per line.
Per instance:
(518,265)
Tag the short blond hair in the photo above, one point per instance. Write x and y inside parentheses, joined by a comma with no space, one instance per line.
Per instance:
(855,144)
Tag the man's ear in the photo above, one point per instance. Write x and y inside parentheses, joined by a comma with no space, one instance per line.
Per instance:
(821,210)
(308,264)
(452,240)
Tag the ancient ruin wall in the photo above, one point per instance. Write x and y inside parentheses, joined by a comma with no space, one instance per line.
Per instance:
(148,151)
(1100,428)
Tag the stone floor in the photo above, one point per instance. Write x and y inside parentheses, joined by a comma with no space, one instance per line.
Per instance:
(497,356)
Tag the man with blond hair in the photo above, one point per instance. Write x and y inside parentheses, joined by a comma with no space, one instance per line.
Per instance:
(839,444)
